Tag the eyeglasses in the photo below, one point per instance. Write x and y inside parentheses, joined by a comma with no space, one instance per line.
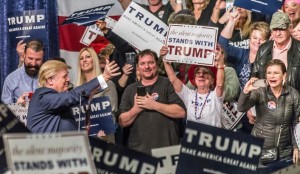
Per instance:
(201,73)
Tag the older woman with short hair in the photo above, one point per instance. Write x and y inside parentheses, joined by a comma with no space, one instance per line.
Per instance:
(204,104)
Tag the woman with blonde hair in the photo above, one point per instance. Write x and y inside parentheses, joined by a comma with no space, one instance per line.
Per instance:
(240,35)
(89,68)
(49,107)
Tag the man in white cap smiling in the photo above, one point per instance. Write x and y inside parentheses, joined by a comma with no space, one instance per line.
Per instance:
(282,47)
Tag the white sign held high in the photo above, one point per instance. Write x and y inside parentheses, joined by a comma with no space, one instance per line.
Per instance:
(191,44)
(141,29)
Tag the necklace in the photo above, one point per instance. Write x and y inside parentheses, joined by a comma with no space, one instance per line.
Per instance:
(196,105)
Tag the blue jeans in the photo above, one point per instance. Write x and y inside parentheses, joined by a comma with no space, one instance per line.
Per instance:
(273,167)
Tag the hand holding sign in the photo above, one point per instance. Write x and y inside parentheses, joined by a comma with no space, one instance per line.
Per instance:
(163,51)
(102,25)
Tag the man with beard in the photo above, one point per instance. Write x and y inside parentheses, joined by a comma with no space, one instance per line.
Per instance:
(23,81)
(151,120)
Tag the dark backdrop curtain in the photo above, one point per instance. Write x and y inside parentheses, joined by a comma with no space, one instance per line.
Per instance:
(9,58)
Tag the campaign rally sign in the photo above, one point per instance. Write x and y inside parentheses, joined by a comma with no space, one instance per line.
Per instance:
(168,157)
(91,32)
(141,29)
(8,124)
(19,111)
(207,149)
(191,44)
(100,114)
(26,25)
(267,7)
(230,115)
(66,152)
(113,159)
(88,16)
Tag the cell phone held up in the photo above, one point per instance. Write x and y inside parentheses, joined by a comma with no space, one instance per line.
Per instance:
(260,83)
(141,91)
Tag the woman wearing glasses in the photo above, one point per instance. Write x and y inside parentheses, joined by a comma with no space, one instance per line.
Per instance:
(204,104)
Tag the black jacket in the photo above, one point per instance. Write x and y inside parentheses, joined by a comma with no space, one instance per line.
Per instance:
(264,55)
(273,114)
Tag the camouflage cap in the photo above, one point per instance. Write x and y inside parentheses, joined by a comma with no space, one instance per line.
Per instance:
(280,20)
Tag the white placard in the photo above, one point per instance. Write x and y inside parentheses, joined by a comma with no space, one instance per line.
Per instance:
(141,29)
(230,115)
(92,32)
(20,111)
(169,157)
(191,44)
(48,153)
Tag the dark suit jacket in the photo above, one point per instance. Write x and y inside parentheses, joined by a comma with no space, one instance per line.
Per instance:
(49,111)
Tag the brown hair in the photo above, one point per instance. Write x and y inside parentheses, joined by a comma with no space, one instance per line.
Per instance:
(276,62)
(35,45)
(147,52)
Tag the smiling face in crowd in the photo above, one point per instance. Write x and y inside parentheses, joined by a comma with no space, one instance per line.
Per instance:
(281,36)
(203,78)
(33,61)
(60,81)
(86,61)
(293,10)
(147,67)
(256,39)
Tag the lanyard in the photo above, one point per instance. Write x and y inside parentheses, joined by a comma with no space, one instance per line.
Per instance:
(196,105)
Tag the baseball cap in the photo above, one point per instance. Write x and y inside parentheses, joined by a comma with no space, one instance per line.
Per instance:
(280,20)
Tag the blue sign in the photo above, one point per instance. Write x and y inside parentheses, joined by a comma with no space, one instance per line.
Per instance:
(27,25)
(267,7)
(207,149)
(109,158)
(100,115)
(9,123)
(88,16)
